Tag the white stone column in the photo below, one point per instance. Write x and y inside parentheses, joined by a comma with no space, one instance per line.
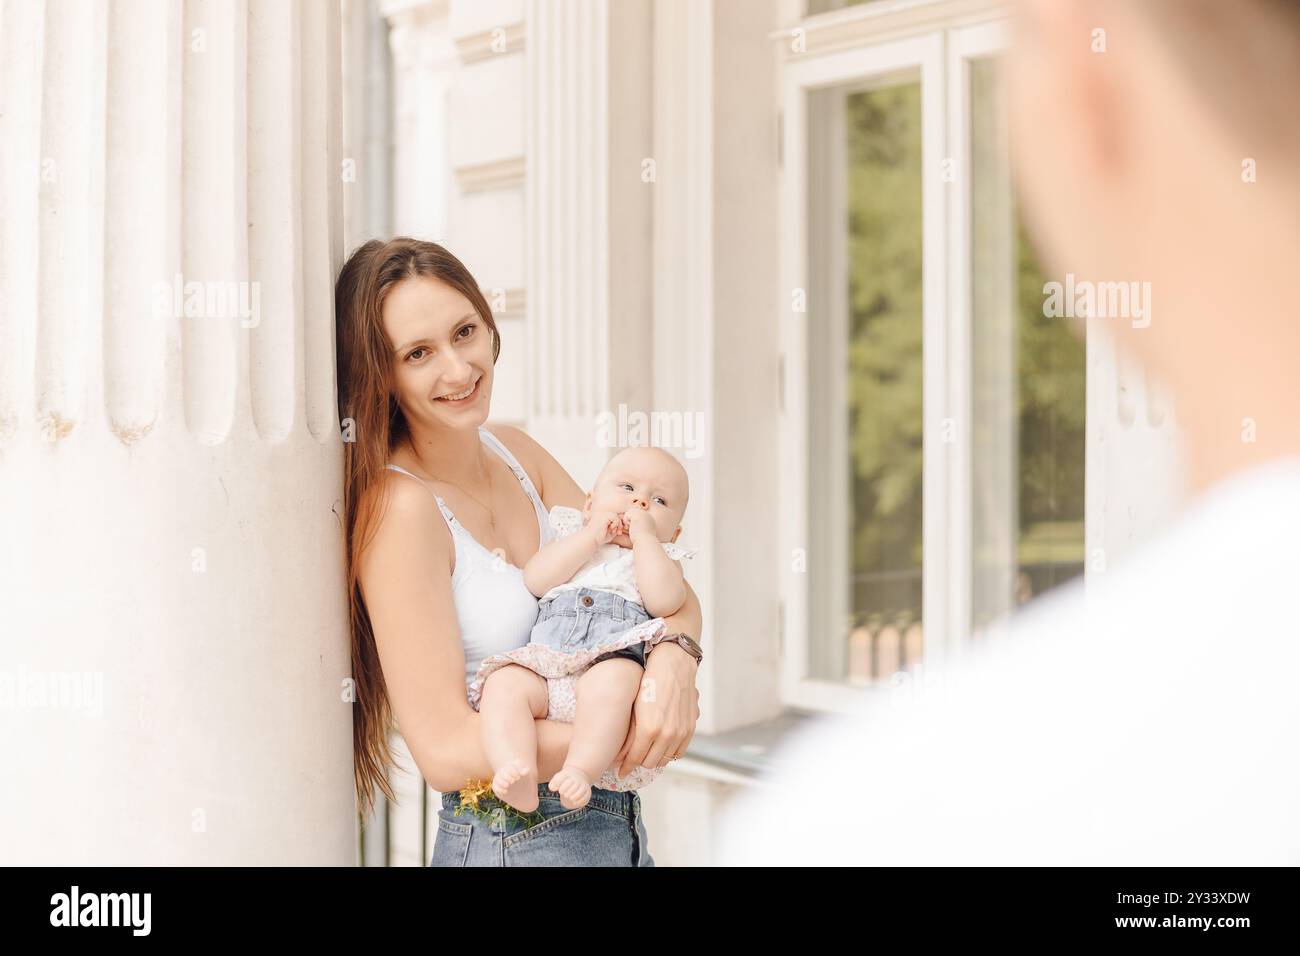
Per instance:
(716,341)
(367,115)
(421,60)
(485,158)
(173,640)
(588,249)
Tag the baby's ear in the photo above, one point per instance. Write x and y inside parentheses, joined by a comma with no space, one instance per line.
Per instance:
(673,539)
(586,506)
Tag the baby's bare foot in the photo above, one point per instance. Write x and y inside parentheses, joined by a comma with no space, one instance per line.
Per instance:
(516,784)
(573,787)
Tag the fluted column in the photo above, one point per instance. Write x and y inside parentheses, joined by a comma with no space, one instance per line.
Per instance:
(716,338)
(588,254)
(367,109)
(173,643)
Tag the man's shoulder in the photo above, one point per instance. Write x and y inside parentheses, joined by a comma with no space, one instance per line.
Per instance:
(1229,560)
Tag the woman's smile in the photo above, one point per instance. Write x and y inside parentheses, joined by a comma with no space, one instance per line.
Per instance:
(463,398)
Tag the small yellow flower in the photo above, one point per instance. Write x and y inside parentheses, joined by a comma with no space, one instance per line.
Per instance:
(474,791)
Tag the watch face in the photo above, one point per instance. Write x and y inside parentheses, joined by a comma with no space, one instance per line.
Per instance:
(686,643)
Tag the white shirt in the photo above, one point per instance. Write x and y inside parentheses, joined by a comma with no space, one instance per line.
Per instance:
(611,568)
(1154,721)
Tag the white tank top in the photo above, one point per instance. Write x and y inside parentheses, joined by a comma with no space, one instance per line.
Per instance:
(494,607)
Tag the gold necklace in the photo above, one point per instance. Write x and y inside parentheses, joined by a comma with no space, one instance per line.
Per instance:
(492,518)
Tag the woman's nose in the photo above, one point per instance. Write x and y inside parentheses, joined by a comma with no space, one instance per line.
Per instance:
(456,371)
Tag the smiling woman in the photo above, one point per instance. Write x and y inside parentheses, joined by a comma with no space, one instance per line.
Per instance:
(452,371)
(434,572)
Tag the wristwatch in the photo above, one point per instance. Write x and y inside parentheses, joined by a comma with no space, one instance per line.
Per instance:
(685,642)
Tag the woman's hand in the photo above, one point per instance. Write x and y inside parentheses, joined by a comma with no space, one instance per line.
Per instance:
(665,712)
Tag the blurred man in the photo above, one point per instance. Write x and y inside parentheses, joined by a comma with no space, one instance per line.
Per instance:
(1156,722)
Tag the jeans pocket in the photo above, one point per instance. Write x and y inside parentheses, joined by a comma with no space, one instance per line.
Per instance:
(451,844)
(588,836)
(578,632)
(567,818)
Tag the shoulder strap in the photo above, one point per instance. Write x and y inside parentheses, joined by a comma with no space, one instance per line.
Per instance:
(496,445)
(446,512)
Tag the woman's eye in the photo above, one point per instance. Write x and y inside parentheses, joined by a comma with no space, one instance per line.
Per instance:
(466,332)
(415,353)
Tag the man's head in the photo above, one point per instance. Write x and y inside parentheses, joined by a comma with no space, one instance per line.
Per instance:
(1158,142)
(1132,121)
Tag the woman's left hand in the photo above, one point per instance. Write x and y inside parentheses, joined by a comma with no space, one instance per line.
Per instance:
(666,710)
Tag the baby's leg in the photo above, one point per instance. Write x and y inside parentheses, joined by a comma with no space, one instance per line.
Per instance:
(513,697)
(605,694)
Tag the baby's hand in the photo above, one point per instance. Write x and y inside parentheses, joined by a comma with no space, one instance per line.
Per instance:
(605,526)
(638,522)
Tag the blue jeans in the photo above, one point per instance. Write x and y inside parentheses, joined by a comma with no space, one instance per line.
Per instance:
(608,831)
(580,618)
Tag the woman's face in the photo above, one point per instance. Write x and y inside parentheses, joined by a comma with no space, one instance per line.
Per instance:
(442,358)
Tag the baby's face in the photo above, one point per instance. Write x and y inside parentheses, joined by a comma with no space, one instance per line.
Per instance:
(646,478)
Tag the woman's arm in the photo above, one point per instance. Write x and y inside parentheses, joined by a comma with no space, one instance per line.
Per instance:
(666,711)
(690,621)
(405,574)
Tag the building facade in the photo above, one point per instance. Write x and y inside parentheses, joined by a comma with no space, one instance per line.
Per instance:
(715,219)
(777,237)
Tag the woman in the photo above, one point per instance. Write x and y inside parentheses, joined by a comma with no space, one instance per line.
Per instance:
(441,514)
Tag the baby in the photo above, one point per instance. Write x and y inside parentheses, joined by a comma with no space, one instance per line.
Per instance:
(606,579)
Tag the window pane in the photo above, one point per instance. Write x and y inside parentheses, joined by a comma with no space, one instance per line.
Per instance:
(865,424)
(1027,391)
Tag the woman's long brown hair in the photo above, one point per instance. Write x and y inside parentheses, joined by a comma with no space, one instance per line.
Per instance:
(373,425)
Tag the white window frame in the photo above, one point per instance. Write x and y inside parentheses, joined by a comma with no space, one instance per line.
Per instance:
(940,54)
(964,44)
(921,55)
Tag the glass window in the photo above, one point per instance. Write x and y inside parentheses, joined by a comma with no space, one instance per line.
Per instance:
(1027,391)
(865,380)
